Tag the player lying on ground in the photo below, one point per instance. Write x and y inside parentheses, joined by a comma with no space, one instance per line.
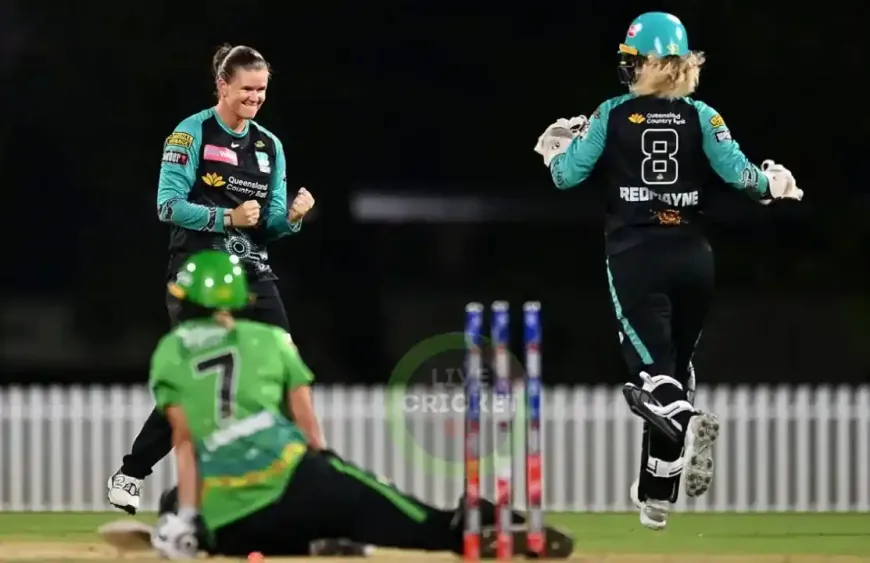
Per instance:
(559,543)
(653,148)
(243,467)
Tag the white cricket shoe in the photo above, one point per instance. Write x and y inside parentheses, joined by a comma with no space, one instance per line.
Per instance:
(123,492)
(653,513)
(702,433)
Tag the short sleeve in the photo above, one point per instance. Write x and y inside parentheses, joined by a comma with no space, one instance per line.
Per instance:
(164,375)
(296,373)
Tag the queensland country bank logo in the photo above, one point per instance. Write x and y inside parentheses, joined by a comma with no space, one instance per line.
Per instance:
(426,405)
(214,180)
(636,118)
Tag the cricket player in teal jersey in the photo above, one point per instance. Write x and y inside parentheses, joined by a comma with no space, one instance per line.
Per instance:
(222,186)
(653,148)
(259,481)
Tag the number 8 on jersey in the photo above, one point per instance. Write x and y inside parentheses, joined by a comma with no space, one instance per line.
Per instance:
(660,166)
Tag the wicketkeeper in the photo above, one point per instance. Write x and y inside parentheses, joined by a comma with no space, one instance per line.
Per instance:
(654,147)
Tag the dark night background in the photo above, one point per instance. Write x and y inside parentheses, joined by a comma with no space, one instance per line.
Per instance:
(424,100)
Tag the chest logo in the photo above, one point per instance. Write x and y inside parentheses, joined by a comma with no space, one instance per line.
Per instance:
(213,180)
(263,162)
(220,154)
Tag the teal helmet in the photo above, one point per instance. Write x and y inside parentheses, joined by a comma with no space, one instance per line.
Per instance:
(653,33)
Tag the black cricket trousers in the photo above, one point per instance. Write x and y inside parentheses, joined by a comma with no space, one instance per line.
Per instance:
(662,290)
(329,498)
(154,441)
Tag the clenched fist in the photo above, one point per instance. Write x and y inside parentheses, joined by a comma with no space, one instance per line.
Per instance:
(302,204)
(245,215)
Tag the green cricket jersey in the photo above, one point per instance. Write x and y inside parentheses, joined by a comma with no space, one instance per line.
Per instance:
(232,386)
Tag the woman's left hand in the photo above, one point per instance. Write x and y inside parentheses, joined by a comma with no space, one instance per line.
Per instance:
(302,204)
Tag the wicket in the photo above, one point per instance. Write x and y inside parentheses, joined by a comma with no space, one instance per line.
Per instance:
(503,428)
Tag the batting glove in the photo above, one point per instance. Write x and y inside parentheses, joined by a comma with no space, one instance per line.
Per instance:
(781,182)
(174,536)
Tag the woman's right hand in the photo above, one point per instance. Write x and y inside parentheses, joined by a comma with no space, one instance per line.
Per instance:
(245,215)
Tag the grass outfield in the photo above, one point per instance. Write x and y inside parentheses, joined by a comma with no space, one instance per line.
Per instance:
(607,538)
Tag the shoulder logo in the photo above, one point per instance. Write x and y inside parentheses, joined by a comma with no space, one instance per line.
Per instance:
(179,139)
(214,180)
(717,121)
(636,118)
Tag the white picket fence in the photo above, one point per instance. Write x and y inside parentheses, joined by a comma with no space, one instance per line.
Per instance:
(782,448)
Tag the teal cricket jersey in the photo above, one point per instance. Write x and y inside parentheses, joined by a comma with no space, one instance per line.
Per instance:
(208,169)
(653,156)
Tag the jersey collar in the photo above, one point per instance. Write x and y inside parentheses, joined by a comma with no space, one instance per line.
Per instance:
(227,129)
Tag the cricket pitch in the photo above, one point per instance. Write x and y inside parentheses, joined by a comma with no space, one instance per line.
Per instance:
(84,552)
(600,538)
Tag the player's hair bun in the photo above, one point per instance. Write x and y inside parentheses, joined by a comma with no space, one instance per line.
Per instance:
(220,56)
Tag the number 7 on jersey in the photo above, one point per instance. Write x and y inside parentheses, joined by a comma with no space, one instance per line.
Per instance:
(225,367)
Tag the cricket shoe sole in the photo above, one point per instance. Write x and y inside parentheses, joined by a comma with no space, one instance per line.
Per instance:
(701,435)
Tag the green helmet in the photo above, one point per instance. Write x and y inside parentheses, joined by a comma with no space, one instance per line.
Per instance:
(212,279)
(656,33)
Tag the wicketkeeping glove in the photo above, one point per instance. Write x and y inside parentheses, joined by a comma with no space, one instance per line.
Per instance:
(556,138)
(781,182)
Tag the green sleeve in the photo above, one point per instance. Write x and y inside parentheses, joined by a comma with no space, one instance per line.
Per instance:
(165,371)
(577,163)
(177,177)
(725,156)
(296,373)
(277,224)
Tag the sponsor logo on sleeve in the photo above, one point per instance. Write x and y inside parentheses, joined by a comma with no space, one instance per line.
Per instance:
(175,157)
(179,139)
(749,177)
(723,136)
(717,121)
